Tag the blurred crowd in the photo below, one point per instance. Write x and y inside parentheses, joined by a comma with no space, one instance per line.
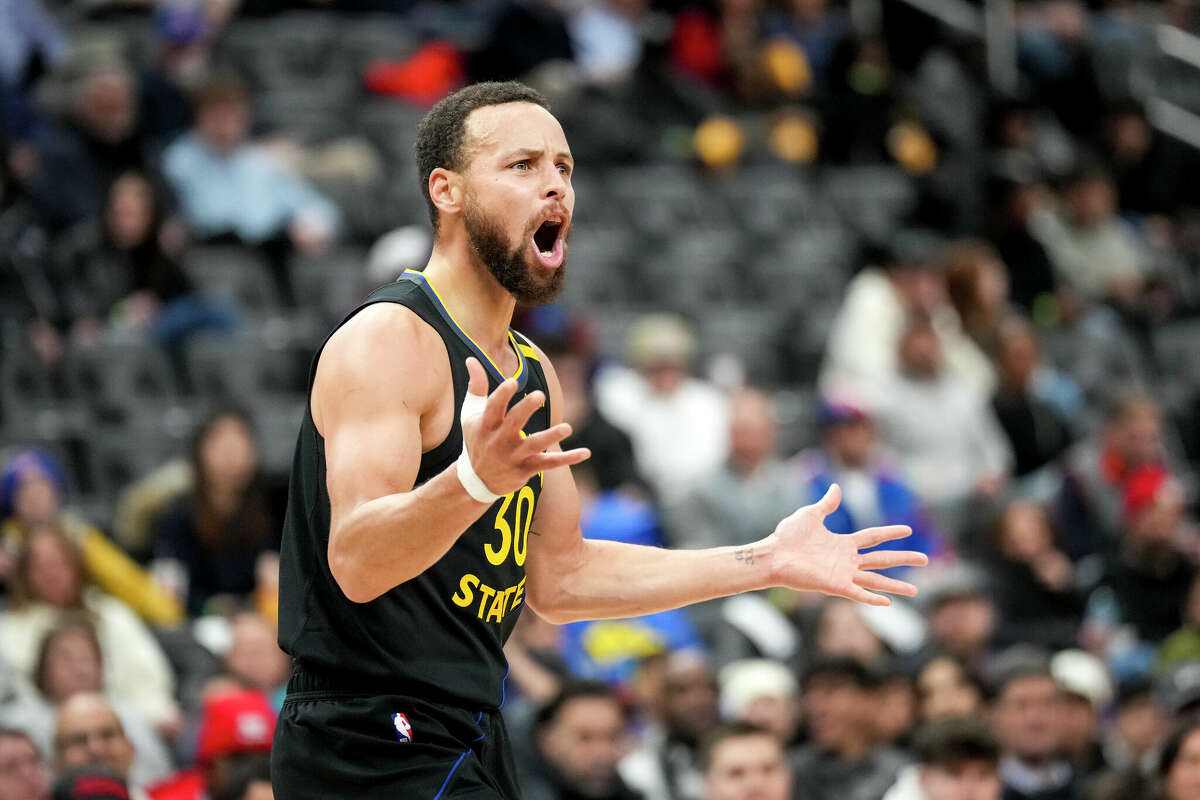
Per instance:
(974,311)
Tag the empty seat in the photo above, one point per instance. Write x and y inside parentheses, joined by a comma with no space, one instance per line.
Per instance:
(331,284)
(118,378)
(235,274)
(769,200)
(874,201)
(243,369)
(667,200)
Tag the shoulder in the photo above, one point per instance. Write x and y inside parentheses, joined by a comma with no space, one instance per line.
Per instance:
(382,334)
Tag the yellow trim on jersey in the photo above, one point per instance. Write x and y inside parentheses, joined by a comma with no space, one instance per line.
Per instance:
(517,348)
(528,351)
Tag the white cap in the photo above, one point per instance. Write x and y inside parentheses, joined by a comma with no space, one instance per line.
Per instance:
(743,682)
(1081,673)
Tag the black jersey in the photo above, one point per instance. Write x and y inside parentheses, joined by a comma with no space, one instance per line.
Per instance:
(439,635)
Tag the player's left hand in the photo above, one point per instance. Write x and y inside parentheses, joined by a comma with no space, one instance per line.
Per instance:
(807,556)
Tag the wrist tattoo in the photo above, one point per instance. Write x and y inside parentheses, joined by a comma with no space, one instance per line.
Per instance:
(745,555)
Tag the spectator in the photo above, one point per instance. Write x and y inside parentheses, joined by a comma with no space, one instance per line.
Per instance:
(872,493)
(1024,402)
(1098,467)
(249,780)
(227,188)
(612,462)
(678,423)
(957,759)
(236,726)
(215,537)
(89,732)
(1151,171)
(1038,594)
(665,766)
(1184,644)
(122,267)
(91,782)
(722,48)
(610,649)
(70,665)
(606,38)
(254,659)
(1017,198)
(579,735)
(23,773)
(818,29)
(896,707)
(962,617)
(1139,727)
(749,494)
(181,52)
(524,36)
(100,139)
(1147,577)
(900,281)
(49,580)
(1029,725)
(1179,765)
(950,446)
(764,693)
(977,285)
(843,761)
(744,762)
(843,632)
(1087,692)
(1094,252)
(32,495)
(946,688)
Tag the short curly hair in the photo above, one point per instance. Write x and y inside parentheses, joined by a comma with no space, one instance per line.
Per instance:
(439,141)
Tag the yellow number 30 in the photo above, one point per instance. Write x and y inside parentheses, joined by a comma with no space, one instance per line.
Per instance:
(524,518)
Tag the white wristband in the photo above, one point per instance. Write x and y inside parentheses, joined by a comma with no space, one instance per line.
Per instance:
(473,405)
(472,482)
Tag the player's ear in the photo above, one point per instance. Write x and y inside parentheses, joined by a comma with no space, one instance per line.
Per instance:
(446,190)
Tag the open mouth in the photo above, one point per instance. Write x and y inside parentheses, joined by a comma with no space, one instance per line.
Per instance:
(548,243)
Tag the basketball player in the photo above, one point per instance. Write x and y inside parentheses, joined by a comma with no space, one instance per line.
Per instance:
(430,501)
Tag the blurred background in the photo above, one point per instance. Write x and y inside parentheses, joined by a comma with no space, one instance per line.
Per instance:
(944,253)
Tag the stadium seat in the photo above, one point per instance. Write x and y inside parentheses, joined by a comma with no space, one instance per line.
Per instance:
(331,284)
(120,379)
(243,369)
(769,200)
(234,274)
(872,200)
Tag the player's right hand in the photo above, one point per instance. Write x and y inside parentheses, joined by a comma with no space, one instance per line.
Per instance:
(502,457)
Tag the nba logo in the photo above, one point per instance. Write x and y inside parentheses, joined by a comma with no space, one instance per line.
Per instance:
(403,727)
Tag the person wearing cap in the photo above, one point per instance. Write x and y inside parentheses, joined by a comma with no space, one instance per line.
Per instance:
(1148,576)
(678,423)
(843,759)
(89,731)
(33,490)
(761,692)
(91,782)
(235,724)
(957,759)
(873,493)
(1087,693)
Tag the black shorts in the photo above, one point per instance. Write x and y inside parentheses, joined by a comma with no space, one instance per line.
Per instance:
(339,743)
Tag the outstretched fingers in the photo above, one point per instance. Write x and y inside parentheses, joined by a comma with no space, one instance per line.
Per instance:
(861,595)
(882,583)
(545,461)
(886,559)
(497,403)
(869,537)
(544,440)
(519,414)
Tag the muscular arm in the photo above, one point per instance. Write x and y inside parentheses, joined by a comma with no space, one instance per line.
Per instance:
(382,392)
(571,578)
(376,379)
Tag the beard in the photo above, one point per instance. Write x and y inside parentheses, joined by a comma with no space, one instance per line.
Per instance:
(510,265)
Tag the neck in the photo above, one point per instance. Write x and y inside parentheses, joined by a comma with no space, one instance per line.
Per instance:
(477,302)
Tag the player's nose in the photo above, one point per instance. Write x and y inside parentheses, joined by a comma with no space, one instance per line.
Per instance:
(555,186)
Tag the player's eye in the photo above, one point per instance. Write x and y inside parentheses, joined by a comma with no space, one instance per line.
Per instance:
(565,170)
(520,165)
